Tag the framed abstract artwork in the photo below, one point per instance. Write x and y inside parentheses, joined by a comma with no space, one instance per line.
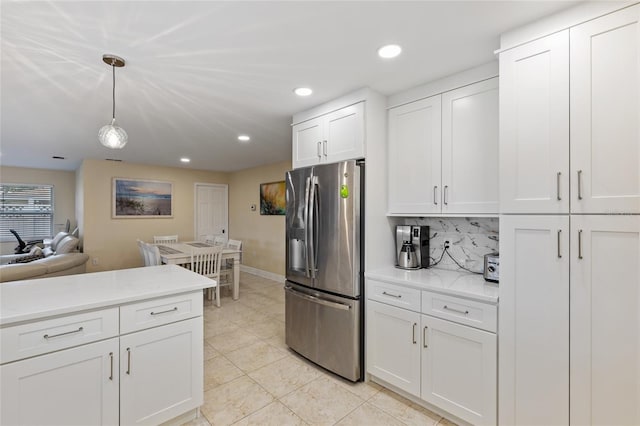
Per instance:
(138,198)
(272,198)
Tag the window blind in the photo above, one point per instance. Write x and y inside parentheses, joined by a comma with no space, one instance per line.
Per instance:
(26,208)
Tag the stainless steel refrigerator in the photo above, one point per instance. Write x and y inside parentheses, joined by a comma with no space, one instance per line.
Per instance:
(325,265)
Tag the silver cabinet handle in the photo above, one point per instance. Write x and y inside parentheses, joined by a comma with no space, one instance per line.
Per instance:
(46,336)
(435,200)
(392,295)
(559,232)
(319,149)
(111,373)
(455,310)
(445,195)
(558,187)
(414,333)
(579,184)
(580,244)
(324,148)
(128,361)
(175,308)
(424,337)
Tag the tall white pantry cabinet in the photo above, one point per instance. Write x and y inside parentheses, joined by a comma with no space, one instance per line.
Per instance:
(569,350)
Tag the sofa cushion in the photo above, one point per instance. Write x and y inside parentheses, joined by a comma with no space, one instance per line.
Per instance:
(56,240)
(67,245)
(22,271)
(61,262)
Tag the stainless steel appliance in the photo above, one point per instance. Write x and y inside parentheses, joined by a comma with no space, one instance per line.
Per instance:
(412,237)
(325,266)
(492,267)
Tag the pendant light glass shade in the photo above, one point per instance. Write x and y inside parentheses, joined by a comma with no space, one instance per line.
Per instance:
(113,136)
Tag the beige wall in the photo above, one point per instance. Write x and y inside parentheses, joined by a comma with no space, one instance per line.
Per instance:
(64,193)
(262,236)
(112,242)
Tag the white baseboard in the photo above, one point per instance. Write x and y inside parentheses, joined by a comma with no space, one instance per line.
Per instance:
(262,273)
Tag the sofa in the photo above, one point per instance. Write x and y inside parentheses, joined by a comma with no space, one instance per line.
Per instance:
(58,257)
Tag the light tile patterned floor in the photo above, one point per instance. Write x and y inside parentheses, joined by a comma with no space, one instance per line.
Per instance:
(252,378)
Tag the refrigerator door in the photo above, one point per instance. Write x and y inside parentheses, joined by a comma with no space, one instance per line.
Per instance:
(335,219)
(325,329)
(298,183)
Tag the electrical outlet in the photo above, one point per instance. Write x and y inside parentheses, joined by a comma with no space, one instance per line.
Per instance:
(94,261)
(447,244)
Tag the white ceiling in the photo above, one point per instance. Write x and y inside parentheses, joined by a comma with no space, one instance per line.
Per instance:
(198,74)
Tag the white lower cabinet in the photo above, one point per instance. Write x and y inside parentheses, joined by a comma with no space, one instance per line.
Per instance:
(146,377)
(154,368)
(393,352)
(459,370)
(76,386)
(447,364)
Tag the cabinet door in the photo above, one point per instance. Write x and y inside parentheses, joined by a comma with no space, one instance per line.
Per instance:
(470,149)
(459,370)
(393,351)
(414,157)
(307,143)
(605,320)
(344,134)
(76,386)
(534,126)
(605,114)
(534,320)
(161,372)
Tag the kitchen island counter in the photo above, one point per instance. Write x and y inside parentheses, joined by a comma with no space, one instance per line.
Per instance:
(30,300)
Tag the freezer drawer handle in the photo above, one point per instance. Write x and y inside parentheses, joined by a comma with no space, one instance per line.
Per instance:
(319,301)
(392,295)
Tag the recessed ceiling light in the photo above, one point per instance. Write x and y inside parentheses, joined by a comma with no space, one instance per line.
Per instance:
(389,51)
(302,91)
(185,159)
(244,138)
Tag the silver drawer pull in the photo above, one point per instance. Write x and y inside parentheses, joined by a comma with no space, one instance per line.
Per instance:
(164,312)
(128,361)
(455,310)
(424,337)
(111,374)
(392,295)
(46,336)
(413,334)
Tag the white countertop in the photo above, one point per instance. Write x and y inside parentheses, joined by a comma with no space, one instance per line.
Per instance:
(463,284)
(34,299)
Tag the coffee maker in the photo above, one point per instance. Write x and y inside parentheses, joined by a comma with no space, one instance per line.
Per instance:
(412,247)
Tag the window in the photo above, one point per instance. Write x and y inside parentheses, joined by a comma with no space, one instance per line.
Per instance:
(26,208)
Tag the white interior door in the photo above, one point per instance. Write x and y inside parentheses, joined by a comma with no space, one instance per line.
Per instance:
(211,210)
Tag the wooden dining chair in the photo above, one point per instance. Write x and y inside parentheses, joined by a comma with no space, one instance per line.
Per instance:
(143,251)
(226,271)
(206,261)
(158,239)
(152,255)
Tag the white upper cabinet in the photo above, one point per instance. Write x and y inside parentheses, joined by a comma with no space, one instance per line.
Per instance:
(307,143)
(330,138)
(470,149)
(414,157)
(605,114)
(605,319)
(534,126)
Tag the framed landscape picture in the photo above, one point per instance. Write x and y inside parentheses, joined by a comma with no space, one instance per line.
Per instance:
(138,198)
(272,198)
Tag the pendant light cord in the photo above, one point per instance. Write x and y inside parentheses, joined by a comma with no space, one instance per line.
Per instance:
(113,68)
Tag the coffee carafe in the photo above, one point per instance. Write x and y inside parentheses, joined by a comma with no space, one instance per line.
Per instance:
(407,258)
(412,247)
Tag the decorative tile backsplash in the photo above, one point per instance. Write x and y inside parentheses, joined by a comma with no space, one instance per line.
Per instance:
(470,239)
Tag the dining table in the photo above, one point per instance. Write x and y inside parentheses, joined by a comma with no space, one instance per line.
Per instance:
(180,254)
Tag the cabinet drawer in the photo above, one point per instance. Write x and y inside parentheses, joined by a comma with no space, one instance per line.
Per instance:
(153,313)
(468,312)
(27,340)
(395,295)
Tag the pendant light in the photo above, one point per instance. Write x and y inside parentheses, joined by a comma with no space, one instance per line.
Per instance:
(112,136)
